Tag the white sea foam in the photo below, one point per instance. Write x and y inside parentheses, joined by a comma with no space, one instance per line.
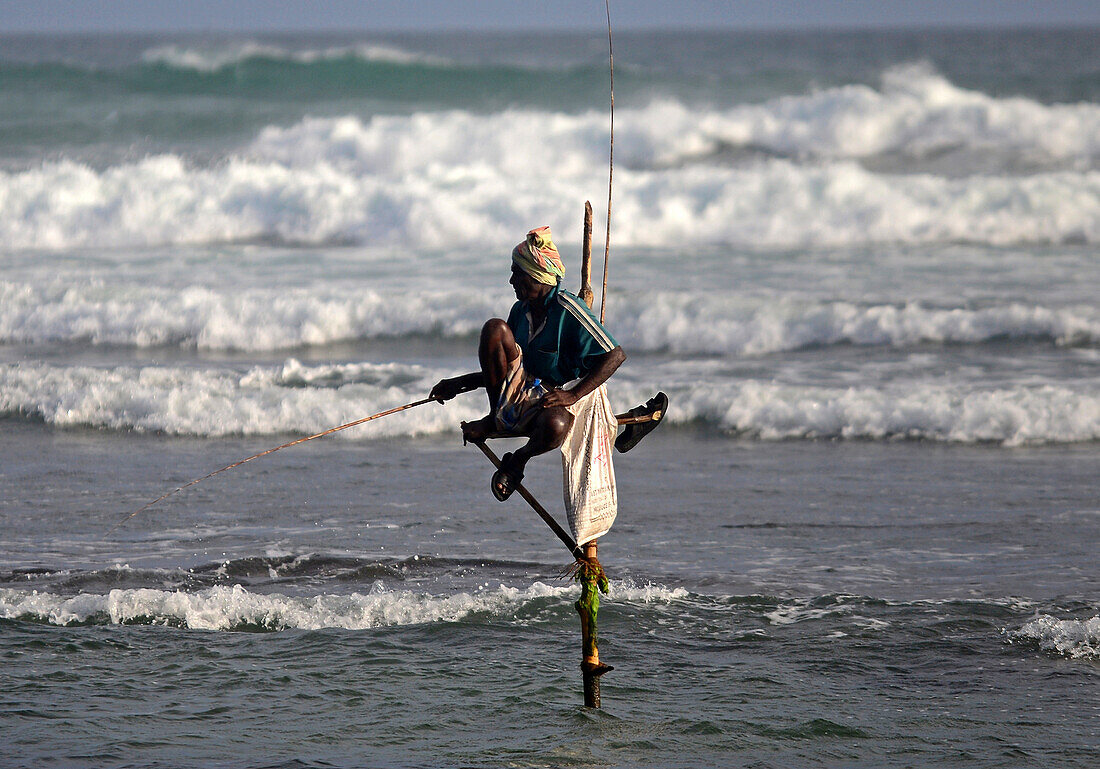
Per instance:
(238,319)
(258,318)
(803,611)
(212,58)
(1078,639)
(228,608)
(916,114)
(404,179)
(1014,416)
(264,400)
(716,323)
(294,398)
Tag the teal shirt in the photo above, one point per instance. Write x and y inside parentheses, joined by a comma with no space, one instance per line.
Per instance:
(567,345)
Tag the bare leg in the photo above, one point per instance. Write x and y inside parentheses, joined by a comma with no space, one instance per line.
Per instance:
(497,350)
(547,432)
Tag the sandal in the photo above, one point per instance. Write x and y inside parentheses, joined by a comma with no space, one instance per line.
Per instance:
(506,479)
(655,408)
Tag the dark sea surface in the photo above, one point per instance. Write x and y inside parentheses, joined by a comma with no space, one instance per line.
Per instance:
(862,265)
(369,604)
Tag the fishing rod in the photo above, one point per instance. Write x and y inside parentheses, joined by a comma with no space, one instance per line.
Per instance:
(322,434)
(610,160)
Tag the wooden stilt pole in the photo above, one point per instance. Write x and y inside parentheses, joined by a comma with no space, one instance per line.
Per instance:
(587,606)
(591,574)
(592,580)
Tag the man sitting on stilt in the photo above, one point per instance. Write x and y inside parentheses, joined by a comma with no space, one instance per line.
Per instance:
(541,367)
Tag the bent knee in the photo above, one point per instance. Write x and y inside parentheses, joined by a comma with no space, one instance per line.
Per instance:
(496,336)
(555,424)
(496,330)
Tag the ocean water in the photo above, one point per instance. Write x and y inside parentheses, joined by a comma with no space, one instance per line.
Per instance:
(863,266)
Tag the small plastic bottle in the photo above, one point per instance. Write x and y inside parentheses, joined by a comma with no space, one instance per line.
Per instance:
(510,415)
(535,390)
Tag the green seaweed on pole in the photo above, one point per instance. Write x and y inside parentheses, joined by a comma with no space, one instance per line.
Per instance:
(593,581)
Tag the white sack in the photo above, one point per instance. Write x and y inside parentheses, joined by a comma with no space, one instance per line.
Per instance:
(588,479)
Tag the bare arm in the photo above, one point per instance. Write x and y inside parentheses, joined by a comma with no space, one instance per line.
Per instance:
(606,365)
(445,389)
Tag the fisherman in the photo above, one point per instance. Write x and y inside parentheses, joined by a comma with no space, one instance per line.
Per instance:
(540,367)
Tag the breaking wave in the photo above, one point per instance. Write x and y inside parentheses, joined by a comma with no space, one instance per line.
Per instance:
(299,399)
(213,58)
(260,319)
(1077,639)
(1010,416)
(716,324)
(917,116)
(918,161)
(236,608)
(263,400)
(242,319)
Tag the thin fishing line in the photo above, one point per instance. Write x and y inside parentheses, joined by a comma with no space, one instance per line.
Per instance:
(271,451)
(610,161)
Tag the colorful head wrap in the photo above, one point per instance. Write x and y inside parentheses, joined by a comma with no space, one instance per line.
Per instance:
(539,258)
